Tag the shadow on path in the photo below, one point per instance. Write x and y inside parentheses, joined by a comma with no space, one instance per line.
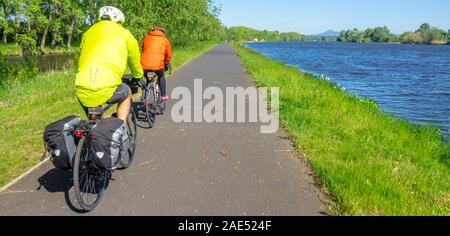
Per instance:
(57,181)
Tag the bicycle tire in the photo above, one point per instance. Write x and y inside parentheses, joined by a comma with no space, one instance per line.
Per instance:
(147,113)
(161,105)
(151,108)
(132,132)
(82,188)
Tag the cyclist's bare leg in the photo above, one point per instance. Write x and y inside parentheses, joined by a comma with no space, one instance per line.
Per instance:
(124,107)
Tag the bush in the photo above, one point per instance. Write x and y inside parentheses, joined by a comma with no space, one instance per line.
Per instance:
(14,73)
(28,44)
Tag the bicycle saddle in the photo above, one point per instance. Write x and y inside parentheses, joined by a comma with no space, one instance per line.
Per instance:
(151,76)
(95,113)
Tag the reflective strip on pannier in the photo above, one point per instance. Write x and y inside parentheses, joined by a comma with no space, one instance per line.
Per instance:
(60,142)
(109,139)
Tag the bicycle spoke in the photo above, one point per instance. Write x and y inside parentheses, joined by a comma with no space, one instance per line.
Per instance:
(92,187)
(85,189)
(83,177)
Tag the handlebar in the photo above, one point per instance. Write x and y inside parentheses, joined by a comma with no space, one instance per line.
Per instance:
(168,68)
(132,82)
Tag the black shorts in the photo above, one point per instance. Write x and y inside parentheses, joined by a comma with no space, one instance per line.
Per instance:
(119,96)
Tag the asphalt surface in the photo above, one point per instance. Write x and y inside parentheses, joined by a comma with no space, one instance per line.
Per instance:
(189,169)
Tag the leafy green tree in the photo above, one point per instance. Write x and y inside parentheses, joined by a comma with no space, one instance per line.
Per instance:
(27,44)
(61,22)
(241,33)
(15,15)
(353,35)
(356,36)
(292,36)
(411,38)
(48,8)
(425,34)
(6,16)
(438,35)
(74,19)
(3,21)
(377,35)
(431,34)
(425,27)
(370,35)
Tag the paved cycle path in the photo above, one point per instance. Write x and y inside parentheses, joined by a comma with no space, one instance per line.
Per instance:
(189,169)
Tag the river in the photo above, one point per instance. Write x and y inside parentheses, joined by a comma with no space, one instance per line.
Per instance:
(52,62)
(411,81)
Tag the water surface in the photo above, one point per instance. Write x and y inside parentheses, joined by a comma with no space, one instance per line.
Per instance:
(412,81)
(52,62)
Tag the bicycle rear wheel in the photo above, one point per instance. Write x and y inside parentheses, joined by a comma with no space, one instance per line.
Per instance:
(128,158)
(146,114)
(89,181)
(161,106)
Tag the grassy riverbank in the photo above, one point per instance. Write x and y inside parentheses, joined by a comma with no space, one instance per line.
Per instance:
(369,162)
(26,108)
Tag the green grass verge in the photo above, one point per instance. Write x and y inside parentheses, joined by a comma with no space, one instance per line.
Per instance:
(26,108)
(9,49)
(370,163)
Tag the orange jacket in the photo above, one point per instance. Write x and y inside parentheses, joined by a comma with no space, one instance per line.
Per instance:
(156,51)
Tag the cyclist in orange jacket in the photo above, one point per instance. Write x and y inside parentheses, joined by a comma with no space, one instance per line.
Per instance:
(156,56)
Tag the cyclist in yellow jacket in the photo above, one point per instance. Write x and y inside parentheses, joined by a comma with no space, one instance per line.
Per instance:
(106,50)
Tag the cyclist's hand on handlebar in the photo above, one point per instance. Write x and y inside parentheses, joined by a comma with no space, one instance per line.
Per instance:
(168,67)
(143,82)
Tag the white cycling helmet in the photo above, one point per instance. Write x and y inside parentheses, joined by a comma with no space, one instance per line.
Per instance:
(112,14)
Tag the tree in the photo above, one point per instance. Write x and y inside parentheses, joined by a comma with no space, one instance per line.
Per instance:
(241,33)
(48,11)
(426,32)
(3,21)
(75,18)
(292,36)
(354,35)
(425,27)
(17,11)
(381,35)
(411,38)
(370,35)
(60,22)
(438,35)
(432,35)
(377,35)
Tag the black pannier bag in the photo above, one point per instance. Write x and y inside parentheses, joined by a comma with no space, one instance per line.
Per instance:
(61,143)
(109,142)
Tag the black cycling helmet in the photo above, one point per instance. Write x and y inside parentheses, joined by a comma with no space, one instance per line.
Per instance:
(161,29)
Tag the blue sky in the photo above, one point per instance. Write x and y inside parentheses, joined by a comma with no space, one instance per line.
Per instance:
(317,16)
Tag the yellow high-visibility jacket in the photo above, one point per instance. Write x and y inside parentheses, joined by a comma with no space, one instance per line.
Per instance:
(106,50)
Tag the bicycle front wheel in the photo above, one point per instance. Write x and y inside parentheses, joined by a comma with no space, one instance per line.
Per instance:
(89,180)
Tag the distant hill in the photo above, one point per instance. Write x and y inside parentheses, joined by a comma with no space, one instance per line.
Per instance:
(328,33)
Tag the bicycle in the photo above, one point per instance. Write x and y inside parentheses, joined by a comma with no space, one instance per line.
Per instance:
(151,103)
(90,181)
